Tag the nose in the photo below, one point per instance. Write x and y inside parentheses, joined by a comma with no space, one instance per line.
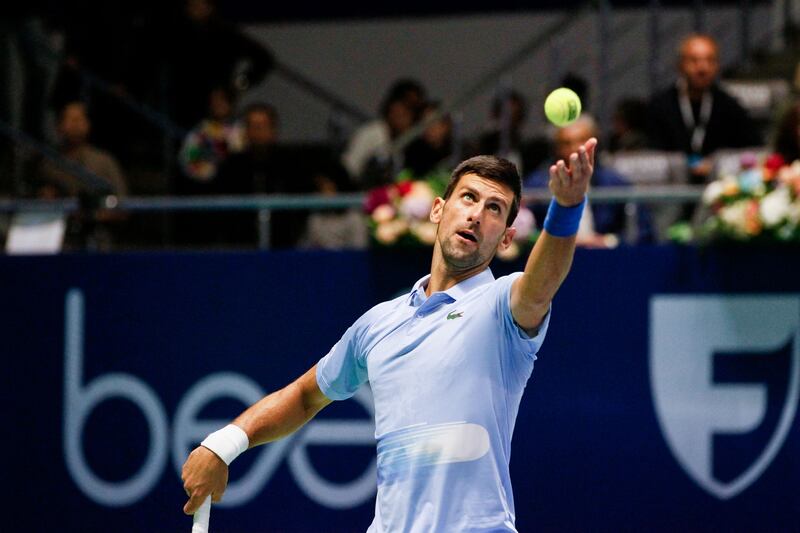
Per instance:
(474,214)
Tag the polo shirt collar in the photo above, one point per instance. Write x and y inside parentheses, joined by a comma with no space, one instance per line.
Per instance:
(417,295)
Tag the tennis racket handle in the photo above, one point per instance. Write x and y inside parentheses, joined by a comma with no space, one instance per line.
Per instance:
(202,516)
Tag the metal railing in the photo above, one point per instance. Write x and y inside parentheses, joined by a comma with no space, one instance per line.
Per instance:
(265,205)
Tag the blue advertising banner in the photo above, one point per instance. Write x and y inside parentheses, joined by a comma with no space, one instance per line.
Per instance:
(664,398)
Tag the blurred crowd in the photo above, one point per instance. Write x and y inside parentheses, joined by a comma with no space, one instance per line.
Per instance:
(221,148)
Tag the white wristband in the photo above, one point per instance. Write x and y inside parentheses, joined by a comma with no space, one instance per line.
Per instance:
(227,443)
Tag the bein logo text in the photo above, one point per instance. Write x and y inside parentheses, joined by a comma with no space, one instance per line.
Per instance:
(80,399)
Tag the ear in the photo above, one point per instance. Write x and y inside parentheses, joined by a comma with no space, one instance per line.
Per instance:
(436,210)
(508,237)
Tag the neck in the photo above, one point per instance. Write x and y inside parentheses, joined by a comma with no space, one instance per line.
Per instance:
(444,276)
(71,149)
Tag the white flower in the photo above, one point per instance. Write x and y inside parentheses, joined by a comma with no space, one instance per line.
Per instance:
(383,213)
(425,232)
(421,189)
(735,216)
(774,208)
(389,232)
(793,213)
(713,192)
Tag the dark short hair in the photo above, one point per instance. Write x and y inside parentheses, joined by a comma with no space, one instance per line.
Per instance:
(500,100)
(494,169)
(399,92)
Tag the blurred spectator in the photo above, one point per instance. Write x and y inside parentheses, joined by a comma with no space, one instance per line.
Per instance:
(205,52)
(787,134)
(696,116)
(262,168)
(602,225)
(432,149)
(503,134)
(334,229)
(211,141)
(52,181)
(629,126)
(368,156)
(90,229)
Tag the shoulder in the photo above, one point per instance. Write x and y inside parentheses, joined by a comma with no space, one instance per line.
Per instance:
(378,312)
(663,99)
(725,99)
(374,129)
(93,153)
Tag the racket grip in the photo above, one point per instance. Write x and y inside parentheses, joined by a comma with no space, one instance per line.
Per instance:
(201,517)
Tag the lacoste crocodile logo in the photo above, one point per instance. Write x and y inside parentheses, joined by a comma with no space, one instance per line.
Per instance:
(455,314)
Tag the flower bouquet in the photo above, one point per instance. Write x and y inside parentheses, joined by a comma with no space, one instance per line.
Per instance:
(759,203)
(398,214)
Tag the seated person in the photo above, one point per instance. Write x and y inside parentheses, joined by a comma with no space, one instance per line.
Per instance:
(430,151)
(602,224)
(696,116)
(53,181)
(368,156)
(263,167)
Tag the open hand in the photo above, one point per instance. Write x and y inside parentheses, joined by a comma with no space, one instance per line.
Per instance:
(569,184)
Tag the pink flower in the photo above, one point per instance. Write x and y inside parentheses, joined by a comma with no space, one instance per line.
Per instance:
(748,160)
(524,223)
(376,197)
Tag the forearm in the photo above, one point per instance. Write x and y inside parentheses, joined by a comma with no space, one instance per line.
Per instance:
(283,412)
(546,269)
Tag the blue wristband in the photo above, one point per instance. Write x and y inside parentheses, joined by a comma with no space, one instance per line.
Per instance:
(563,221)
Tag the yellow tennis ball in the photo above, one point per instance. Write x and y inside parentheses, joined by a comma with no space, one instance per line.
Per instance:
(562,106)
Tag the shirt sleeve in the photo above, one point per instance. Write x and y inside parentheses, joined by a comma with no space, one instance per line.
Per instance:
(516,336)
(343,370)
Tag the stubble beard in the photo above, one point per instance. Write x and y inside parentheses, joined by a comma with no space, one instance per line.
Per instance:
(458,258)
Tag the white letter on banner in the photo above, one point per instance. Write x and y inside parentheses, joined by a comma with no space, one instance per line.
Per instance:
(79,402)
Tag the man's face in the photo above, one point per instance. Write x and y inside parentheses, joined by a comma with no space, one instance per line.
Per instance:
(74,124)
(699,63)
(400,117)
(570,138)
(259,129)
(472,222)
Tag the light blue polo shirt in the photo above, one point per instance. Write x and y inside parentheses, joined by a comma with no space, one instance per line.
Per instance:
(447,373)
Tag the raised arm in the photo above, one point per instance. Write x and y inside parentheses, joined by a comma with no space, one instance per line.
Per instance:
(274,416)
(551,257)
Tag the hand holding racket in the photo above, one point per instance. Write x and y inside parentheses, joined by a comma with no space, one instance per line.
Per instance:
(204,476)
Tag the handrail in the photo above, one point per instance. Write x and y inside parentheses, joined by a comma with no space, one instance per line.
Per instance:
(265,202)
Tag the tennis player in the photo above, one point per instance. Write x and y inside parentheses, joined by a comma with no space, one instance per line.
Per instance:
(447,362)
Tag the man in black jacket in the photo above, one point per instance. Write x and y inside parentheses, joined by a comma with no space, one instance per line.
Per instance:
(695,115)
